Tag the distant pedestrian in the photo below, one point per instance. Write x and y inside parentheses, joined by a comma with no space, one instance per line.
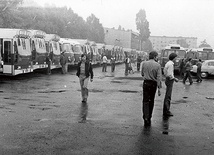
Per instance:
(105,61)
(63,62)
(84,71)
(139,60)
(48,62)
(188,67)
(199,64)
(169,74)
(182,69)
(151,72)
(127,62)
(112,64)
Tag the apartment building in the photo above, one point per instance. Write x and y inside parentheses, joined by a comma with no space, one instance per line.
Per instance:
(124,38)
(159,42)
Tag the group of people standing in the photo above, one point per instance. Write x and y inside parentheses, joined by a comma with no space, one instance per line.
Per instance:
(105,63)
(152,74)
(185,68)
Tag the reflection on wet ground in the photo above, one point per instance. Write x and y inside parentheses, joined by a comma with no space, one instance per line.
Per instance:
(83,112)
(165,125)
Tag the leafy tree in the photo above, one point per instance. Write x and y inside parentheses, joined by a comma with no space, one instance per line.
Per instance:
(147,46)
(96,30)
(8,13)
(183,43)
(142,26)
(204,44)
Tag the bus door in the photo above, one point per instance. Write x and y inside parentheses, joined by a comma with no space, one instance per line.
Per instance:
(8,64)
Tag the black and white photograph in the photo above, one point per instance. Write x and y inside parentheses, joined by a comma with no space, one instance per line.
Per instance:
(106,77)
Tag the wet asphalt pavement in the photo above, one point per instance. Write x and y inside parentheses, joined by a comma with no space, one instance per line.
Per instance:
(40,114)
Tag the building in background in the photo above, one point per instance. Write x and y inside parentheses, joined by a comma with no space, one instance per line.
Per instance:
(130,39)
(124,38)
(159,42)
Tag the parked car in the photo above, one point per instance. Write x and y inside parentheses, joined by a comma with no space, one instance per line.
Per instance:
(207,68)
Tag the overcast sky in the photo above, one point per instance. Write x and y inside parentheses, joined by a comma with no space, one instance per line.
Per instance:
(187,18)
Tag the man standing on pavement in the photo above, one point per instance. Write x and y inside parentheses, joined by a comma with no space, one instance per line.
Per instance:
(169,74)
(139,60)
(84,70)
(63,62)
(151,72)
(105,61)
(112,64)
(188,67)
(199,64)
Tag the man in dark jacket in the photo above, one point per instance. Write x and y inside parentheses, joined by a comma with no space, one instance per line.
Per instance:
(84,71)
(188,67)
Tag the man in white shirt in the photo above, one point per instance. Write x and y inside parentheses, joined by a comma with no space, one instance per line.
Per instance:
(169,74)
(105,61)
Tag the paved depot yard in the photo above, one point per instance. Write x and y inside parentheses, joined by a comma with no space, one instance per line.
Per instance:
(40,113)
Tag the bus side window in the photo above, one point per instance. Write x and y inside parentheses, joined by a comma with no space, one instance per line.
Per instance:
(19,42)
(33,51)
(15,52)
(7,52)
(1,50)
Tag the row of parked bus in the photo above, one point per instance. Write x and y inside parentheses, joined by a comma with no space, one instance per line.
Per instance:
(24,51)
(205,53)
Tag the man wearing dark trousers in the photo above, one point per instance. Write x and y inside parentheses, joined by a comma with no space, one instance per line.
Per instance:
(151,72)
(169,74)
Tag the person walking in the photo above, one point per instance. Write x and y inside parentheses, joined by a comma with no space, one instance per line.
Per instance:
(182,70)
(139,60)
(188,67)
(112,64)
(169,74)
(151,72)
(105,61)
(63,62)
(84,71)
(49,62)
(199,64)
(127,61)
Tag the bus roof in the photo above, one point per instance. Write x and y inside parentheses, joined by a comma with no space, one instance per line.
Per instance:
(11,33)
(37,33)
(109,47)
(50,37)
(174,47)
(100,45)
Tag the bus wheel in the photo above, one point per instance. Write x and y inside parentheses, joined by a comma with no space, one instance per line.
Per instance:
(204,75)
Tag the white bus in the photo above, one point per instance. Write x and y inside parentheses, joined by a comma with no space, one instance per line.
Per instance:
(53,49)
(15,52)
(38,49)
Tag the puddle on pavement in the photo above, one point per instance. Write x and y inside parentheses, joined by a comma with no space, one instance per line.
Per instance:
(40,108)
(129,78)
(95,90)
(116,82)
(52,91)
(128,91)
(179,101)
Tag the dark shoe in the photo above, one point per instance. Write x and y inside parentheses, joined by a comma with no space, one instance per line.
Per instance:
(83,101)
(147,122)
(82,121)
(183,82)
(168,114)
(190,83)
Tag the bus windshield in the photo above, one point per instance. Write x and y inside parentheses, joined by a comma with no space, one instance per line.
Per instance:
(180,53)
(23,46)
(202,55)
(77,49)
